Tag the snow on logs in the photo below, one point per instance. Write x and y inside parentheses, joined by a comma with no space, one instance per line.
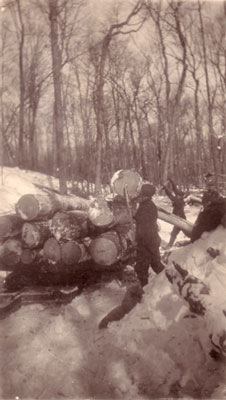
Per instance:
(65,226)
(41,206)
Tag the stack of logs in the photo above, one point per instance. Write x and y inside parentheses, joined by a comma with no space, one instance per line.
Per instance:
(56,231)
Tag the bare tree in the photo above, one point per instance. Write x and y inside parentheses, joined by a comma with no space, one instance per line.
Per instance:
(99,53)
(58,104)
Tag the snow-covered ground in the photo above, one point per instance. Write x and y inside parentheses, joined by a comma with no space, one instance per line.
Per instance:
(159,350)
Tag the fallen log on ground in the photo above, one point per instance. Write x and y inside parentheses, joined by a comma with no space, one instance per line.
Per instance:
(10,225)
(108,248)
(181,223)
(34,234)
(42,206)
(10,252)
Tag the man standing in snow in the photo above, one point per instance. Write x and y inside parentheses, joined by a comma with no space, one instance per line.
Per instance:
(147,237)
(177,198)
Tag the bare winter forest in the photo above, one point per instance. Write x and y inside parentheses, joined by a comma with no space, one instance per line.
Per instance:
(92,86)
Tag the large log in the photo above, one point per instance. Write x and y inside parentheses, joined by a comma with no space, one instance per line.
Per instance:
(74,252)
(52,250)
(33,256)
(10,252)
(34,234)
(65,226)
(108,248)
(126,179)
(42,206)
(10,225)
(104,213)
(181,223)
(68,253)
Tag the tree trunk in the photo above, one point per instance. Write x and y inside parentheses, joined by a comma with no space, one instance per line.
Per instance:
(58,105)
(22,88)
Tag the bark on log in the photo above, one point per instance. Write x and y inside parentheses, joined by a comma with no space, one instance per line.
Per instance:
(107,248)
(38,207)
(34,234)
(181,223)
(52,250)
(74,252)
(10,225)
(128,179)
(10,252)
(65,226)
(82,217)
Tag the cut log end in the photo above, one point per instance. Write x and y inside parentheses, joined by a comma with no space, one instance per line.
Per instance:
(5,227)
(30,235)
(71,253)
(128,179)
(100,214)
(52,250)
(105,249)
(27,256)
(10,252)
(10,225)
(27,207)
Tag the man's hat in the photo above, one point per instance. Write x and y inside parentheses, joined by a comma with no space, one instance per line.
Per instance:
(147,190)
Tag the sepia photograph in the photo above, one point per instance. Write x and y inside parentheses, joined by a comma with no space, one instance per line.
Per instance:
(112,199)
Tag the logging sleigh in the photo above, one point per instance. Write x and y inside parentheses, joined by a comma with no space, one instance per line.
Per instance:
(54,239)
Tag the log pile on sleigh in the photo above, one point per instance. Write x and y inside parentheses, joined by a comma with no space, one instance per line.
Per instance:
(65,231)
